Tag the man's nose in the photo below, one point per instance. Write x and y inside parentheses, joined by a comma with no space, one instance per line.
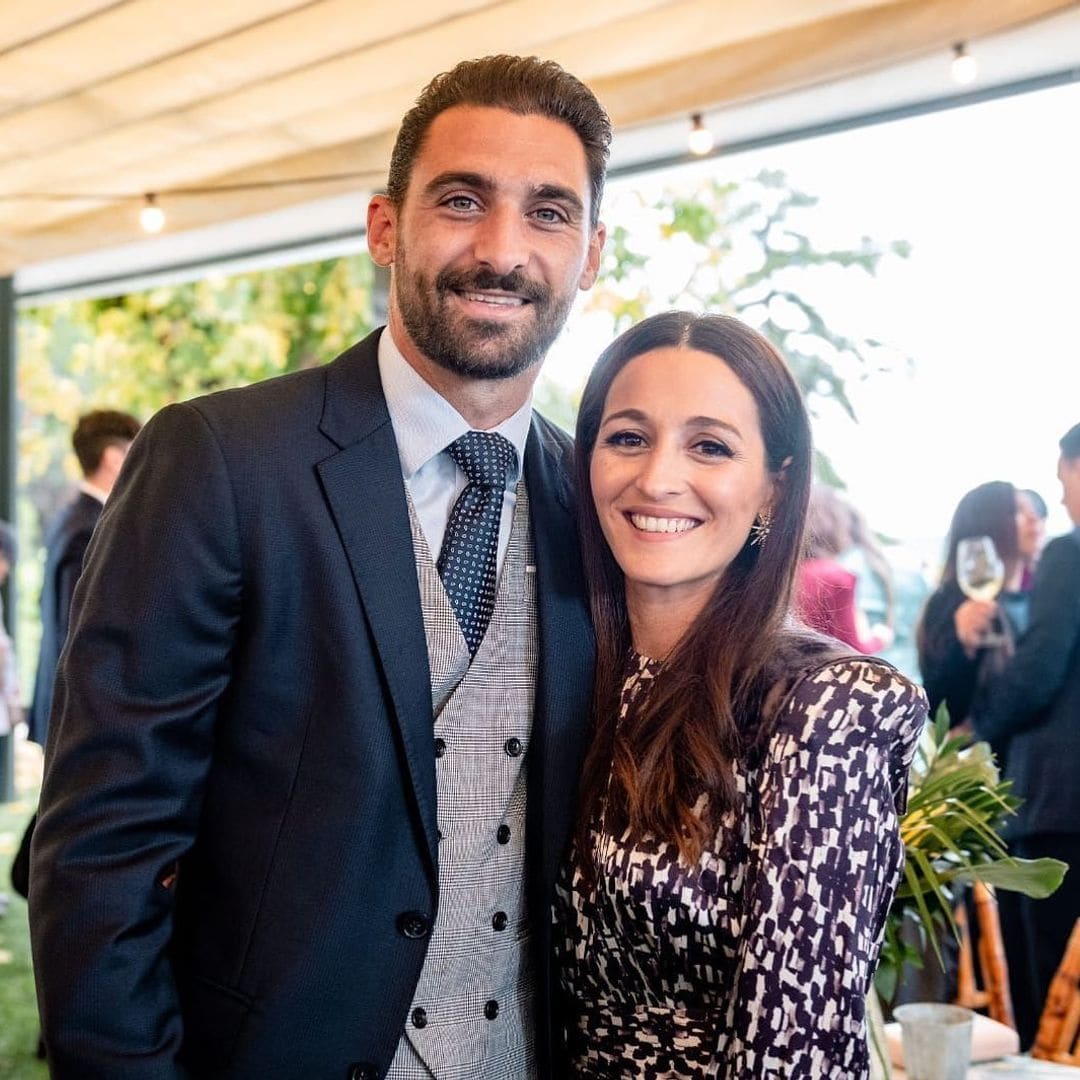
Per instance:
(501,240)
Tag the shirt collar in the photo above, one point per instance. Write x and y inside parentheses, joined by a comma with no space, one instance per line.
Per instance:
(424,422)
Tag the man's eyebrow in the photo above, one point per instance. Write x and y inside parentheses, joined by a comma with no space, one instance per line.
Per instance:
(558,193)
(456,178)
(487,184)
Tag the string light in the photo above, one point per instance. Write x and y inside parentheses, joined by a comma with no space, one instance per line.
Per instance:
(700,139)
(151,216)
(965,68)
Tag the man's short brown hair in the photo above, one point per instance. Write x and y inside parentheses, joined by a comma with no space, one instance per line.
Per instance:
(98,430)
(524,85)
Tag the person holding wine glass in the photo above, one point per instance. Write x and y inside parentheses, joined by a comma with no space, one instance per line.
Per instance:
(965,634)
(970,622)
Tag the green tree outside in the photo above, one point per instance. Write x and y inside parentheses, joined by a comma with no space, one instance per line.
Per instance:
(144,350)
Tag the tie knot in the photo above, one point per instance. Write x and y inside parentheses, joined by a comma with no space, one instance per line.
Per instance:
(484,457)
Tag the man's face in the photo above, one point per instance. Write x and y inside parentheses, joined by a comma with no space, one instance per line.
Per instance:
(1069,475)
(491,243)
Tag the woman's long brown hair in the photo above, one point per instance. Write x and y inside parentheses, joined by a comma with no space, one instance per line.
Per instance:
(704,711)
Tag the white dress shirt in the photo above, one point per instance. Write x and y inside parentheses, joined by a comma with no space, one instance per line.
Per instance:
(425,424)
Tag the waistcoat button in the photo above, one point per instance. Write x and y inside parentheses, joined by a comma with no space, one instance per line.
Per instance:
(440,747)
(491,1010)
(419,1017)
(499,921)
(513,747)
(503,835)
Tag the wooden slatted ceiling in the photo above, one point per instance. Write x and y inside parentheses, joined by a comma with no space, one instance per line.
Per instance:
(147,95)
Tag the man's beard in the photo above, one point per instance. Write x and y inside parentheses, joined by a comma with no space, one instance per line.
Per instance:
(478,348)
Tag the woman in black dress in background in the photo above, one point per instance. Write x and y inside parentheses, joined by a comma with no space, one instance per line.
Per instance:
(951,630)
(721,912)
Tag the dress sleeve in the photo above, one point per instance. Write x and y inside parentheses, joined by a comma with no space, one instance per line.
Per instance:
(824,863)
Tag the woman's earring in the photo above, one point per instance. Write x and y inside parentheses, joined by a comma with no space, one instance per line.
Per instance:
(759,531)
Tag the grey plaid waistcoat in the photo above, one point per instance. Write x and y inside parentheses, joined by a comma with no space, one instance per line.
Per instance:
(472,1013)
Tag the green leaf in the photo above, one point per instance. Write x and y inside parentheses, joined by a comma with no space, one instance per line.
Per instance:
(1036,878)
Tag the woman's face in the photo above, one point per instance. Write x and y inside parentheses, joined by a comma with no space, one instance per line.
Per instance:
(1030,528)
(678,473)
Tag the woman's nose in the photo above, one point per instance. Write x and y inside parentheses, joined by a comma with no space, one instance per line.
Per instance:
(662,473)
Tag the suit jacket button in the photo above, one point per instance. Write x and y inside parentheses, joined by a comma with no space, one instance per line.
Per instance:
(513,747)
(413,924)
(419,1017)
(491,1009)
(503,835)
(362,1070)
(499,921)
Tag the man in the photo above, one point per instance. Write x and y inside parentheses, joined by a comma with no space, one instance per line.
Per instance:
(302,812)
(1033,709)
(101,440)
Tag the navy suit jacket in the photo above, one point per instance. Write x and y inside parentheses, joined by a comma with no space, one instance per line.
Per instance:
(1033,707)
(65,547)
(236,859)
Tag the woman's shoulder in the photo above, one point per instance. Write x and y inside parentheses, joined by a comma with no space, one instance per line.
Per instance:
(837,698)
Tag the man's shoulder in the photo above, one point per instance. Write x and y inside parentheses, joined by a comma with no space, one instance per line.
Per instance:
(304,387)
(79,515)
(552,440)
(276,413)
(1060,558)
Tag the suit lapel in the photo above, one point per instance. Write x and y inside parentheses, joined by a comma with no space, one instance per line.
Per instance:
(564,686)
(364,488)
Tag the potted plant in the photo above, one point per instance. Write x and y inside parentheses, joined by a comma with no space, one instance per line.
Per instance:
(951,830)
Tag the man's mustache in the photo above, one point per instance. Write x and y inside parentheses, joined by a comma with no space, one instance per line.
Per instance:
(481,280)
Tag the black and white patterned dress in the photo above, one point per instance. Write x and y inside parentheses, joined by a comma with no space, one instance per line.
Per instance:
(756,961)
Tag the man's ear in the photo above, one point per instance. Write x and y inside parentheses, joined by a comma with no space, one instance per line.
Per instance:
(592,258)
(381,230)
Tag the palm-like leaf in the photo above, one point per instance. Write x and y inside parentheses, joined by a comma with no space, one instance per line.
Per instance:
(952,835)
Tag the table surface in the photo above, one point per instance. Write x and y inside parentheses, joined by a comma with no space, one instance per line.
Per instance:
(1014,1068)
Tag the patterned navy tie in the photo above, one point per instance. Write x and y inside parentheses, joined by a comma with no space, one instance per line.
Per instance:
(468,562)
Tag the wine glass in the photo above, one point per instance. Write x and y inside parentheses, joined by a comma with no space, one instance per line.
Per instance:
(980,573)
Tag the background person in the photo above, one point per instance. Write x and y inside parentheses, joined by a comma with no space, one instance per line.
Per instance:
(954,658)
(825,590)
(952,628)
(1035,520)
(101,440)
(740,798)
(307,789)
(10,693)
(1032,708)
(875,590)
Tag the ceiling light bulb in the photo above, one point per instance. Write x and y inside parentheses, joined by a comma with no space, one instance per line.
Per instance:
(151,216)
(700,140)
(965,69)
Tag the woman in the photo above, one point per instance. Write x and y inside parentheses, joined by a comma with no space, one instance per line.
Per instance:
(825,589)
(722,907)
(951,632)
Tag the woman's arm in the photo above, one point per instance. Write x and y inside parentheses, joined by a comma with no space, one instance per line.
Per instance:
(825,861)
